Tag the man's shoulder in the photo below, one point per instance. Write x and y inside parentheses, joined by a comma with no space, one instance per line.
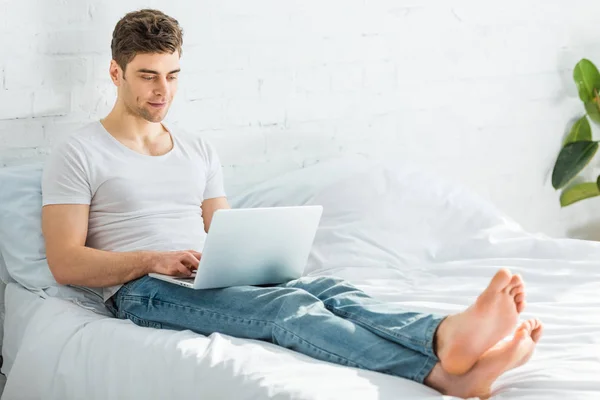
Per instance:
(196,141)
(80,138)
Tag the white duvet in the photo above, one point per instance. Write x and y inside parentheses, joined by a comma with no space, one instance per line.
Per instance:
(397,234)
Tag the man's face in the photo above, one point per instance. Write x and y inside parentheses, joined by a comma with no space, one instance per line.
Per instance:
(149,84)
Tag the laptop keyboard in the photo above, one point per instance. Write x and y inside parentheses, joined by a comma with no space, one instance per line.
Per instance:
(187,279)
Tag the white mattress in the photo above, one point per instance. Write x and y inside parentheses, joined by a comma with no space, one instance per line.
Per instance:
(76,354)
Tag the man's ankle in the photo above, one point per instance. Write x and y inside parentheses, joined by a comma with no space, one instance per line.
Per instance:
(439,336)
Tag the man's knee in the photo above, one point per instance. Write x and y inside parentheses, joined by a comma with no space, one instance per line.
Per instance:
(297,301)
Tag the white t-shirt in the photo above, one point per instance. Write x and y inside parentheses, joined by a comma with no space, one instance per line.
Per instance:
(137,202)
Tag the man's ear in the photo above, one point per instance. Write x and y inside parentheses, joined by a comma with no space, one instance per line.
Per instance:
(116,73)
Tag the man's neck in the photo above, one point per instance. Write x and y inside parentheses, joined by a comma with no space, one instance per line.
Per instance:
(124,125)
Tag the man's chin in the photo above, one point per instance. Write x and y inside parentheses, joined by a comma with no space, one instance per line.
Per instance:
(152,117)
(156,119)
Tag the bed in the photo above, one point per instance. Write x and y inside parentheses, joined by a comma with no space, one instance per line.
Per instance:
(431,247)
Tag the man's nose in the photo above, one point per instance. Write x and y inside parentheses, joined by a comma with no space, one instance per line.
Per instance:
(162,87)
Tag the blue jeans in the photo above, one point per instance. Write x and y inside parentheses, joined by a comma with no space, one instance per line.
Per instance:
(323,317)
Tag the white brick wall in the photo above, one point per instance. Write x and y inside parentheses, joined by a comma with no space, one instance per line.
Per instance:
(477,91)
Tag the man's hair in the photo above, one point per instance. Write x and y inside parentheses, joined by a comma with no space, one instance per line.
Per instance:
(145,31)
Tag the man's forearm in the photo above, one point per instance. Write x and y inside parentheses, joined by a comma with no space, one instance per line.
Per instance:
(85,266)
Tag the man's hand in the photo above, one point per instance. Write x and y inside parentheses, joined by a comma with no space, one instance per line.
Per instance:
(175,263)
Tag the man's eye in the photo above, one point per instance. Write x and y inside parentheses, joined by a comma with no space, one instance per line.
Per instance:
(172,78)
(147,78)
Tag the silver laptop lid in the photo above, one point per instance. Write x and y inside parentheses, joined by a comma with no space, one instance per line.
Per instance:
(253,246)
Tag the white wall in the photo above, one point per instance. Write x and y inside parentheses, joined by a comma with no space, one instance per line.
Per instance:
(479,91)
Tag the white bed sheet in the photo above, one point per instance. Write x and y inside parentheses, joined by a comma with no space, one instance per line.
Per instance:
(2,292)
(74,353)
(22,306)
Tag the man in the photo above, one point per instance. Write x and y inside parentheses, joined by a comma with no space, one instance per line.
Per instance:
(127,196)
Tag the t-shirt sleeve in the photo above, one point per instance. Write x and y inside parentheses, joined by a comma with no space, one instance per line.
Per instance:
(214,174)
(65,177)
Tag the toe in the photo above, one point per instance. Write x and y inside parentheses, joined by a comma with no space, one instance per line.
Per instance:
(520,334)
(536,334)
(523,332)
(518,279)
(515,281)
(527,326)
(517,289)
(520,298)
(521,306)
(501,280)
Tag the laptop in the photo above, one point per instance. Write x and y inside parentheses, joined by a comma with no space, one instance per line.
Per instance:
(254,246)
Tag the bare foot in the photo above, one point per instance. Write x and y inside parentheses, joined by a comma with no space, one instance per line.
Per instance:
(463,338)
(518,292)
(501,358)
(534,327)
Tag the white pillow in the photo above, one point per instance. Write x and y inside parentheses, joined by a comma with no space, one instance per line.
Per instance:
(21,241)
(378,213)
(4,275)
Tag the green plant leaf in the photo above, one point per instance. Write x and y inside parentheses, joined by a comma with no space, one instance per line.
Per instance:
(587,78)
(579,192)
(580,131)
(593,110)
(571,160)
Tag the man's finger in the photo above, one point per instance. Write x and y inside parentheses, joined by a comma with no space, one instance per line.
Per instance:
(196,254)
(183,270)
(190,260)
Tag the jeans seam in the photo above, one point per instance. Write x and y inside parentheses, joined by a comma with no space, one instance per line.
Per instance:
(425,370)
(348,362)
(425,345)
(383,331)
(132,298)
(140,299)
(146,323)
(430,334)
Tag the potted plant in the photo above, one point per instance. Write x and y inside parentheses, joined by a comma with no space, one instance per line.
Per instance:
(578,147)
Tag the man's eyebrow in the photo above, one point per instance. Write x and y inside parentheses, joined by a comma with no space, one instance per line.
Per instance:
(151,71)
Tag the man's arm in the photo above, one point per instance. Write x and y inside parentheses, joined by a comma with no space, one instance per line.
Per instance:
(72,263)
(209,206)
